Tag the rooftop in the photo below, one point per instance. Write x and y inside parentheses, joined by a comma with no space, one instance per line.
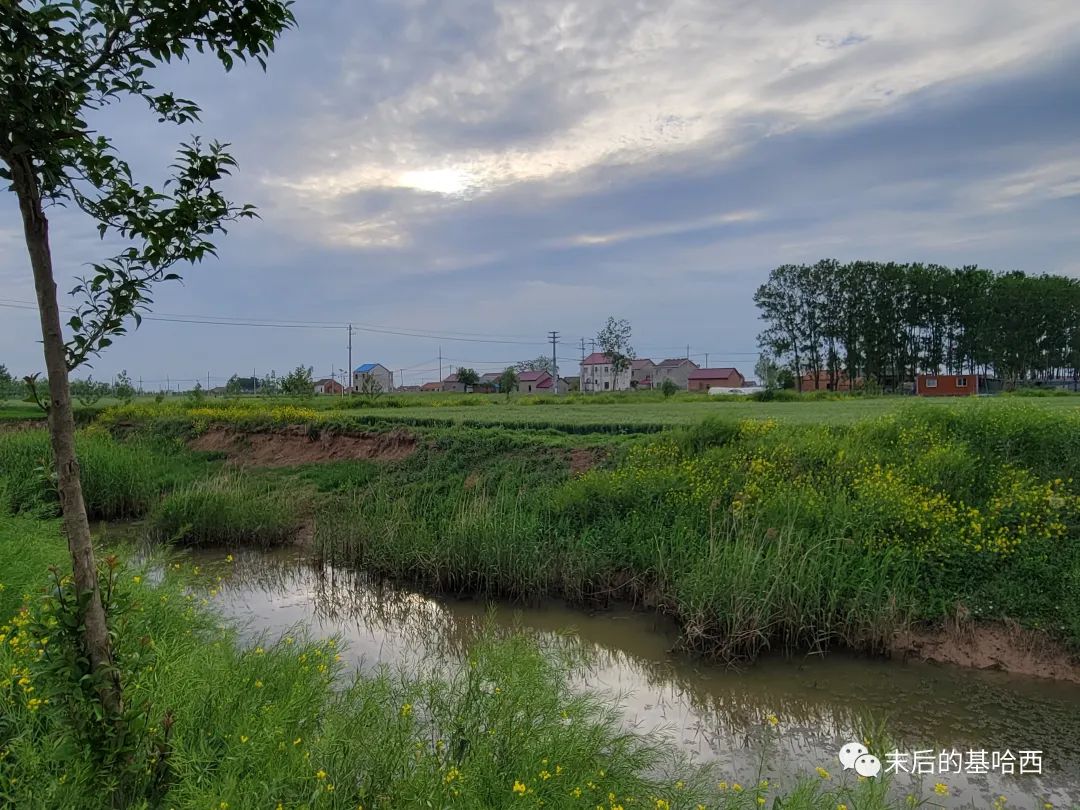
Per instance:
(713,373)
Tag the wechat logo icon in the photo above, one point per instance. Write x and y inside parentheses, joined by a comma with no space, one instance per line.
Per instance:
(857,756)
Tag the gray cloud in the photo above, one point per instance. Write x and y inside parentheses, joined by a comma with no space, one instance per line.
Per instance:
(525,165)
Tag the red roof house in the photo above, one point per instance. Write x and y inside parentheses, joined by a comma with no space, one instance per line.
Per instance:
(703,379)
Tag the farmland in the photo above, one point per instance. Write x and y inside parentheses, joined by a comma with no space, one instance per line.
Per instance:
(813,525)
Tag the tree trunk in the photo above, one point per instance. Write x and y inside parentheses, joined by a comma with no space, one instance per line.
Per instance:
(62,435)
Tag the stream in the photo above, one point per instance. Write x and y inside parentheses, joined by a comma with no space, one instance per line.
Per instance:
(713,713)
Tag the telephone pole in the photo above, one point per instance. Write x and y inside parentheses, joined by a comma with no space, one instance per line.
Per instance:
(554,337)
(440,366)
(350,358)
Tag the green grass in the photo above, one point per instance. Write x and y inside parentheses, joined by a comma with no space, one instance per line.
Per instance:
(228,510)
(755,534)
(624,413)
(279,724)
(120,479)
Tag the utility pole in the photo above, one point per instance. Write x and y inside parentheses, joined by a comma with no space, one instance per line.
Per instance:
(254,382)
(554,336)
(350,358)
(140,385)
(440,366)
(208,381)
(706,359)
(168,384)
(687,351)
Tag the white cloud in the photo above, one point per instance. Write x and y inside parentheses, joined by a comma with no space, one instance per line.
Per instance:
(625,83)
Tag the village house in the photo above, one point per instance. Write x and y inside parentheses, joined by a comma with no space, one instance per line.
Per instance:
(843,383)
(597,374)
(539,382)
(642,373)
(328,386)
(948,385)
(370,374)
(676,369)
(453,385)
(431,386)
(702,379)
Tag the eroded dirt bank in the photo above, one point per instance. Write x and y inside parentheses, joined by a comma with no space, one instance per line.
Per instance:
(990,645)
(292,446)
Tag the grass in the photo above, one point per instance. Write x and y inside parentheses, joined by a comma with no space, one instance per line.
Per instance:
(623,413)
(755,534)
(120,479)
(280,725)
(227,510)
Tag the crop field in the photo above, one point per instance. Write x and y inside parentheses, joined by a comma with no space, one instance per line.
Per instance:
(635,413)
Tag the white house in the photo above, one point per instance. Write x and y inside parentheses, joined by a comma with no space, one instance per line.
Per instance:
(370,373)
(597,374)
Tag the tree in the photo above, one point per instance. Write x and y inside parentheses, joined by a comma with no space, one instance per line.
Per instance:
(370,388)
(270,384)
(61,60)
(614,341)
(508,381)
(540,363)
(89,391)
(767,371)
(668,387)
(298,382)
(7,383)
(122,387)
(467,377)
(233,386)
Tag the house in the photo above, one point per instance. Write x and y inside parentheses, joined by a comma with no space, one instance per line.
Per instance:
(431,386)
(452,384)
(328,386)
(642,373)
(367,376)
(676,369)
(539,382)
(408,389)
(597,374)
(843,382)
(949,385)
(702,379)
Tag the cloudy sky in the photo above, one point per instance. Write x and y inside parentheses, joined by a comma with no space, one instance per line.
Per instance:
(475,173)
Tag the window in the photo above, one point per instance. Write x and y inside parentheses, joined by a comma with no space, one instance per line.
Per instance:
(961,382)
(605,385)
(931,382)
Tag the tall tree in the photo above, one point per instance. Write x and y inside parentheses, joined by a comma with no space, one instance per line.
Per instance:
(614,341)
(540,363)
(468,377)
(779,300)
(61,60)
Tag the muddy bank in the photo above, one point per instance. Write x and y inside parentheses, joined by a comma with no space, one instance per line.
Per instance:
(293,446)
(990,645)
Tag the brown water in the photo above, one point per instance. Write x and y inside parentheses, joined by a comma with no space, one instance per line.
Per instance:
(712,712)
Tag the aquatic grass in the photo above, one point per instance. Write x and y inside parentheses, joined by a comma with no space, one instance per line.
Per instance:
(254,726)
(228,509)
(754,534)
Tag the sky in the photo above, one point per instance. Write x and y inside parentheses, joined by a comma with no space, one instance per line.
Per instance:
(464,176)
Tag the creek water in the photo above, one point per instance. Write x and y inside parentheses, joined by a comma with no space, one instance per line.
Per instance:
(713,712)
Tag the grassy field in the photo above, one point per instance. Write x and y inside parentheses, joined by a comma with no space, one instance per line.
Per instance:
(575,415)
(754,529)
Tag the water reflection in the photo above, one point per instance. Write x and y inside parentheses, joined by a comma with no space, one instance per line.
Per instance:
(713,713)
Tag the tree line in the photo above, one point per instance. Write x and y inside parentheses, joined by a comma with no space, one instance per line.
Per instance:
(883,323)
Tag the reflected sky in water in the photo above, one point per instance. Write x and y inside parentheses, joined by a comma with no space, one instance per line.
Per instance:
(714,713)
